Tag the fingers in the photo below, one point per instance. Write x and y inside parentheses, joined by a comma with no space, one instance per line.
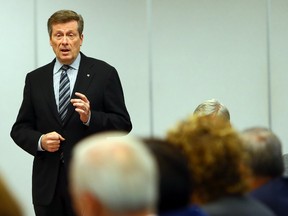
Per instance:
(51,141)
(82,106)
(81,103)
(81,96)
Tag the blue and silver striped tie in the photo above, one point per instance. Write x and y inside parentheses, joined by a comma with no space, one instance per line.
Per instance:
(64,92)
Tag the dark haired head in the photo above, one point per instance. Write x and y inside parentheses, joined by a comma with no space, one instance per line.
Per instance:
(64,16)
(175,180)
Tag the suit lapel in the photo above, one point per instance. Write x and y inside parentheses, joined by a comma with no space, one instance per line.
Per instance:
(49,90)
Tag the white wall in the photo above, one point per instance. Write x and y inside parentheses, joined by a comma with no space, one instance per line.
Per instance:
(17,57)
(187,51)
(209,49)
(279,69)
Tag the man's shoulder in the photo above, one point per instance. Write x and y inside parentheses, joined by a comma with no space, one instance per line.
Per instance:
(274,185)
(275,188)
(87,60)
(42,69)
(191,210)
(237,205)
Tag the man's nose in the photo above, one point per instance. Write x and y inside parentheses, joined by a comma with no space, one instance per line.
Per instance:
(65,39)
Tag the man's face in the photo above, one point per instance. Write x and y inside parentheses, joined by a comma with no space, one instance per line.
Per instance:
(66,41)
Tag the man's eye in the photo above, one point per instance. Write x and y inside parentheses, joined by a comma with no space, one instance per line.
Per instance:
(71,36)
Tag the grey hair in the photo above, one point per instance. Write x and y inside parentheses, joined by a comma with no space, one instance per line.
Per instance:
(212,107)
(265,151)
(116,169)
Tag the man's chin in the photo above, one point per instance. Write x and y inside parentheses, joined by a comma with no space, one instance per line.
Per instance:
(65,59)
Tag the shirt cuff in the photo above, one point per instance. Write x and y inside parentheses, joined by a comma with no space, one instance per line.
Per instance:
(39,144)
(88,122)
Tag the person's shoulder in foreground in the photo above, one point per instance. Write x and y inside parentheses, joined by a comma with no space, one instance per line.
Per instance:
(237,206)
(192,210)
(274,194)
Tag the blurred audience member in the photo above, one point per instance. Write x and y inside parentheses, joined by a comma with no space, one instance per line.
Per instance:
(175,186)
(266,162)
(9,205)
(217,163)
(285,159)
(113,175)
(213,108)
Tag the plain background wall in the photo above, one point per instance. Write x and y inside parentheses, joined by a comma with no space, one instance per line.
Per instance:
(170,55)
(209,49)
(17,42)
(279,69)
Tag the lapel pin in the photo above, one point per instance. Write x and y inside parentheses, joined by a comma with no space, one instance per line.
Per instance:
(88,75)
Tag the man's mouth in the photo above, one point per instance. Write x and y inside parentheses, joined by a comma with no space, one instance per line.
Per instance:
(65,50)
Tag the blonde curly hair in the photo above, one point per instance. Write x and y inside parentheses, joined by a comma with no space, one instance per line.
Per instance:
(216,156)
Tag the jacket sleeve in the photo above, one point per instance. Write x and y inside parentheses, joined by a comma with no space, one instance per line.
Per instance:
(114,114)
(23,131)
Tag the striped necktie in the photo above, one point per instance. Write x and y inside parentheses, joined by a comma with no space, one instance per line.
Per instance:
(64,92)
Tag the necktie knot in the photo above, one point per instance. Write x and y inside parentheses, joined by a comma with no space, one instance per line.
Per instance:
(65,67)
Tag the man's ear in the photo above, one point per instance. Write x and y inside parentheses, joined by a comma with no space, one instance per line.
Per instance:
(81,39)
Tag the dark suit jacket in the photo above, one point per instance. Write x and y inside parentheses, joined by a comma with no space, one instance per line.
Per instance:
(192,210)
(274,194)
(236,206)
(38,115)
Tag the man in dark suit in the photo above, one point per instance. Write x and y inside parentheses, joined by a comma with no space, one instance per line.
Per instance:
(268,185)
(96,104)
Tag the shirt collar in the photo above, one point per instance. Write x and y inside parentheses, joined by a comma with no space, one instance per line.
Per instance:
(74,65)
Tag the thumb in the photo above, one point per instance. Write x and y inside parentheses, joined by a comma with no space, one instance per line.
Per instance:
(61,138)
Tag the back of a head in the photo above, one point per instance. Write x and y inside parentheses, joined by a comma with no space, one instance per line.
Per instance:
(212,107)
(174,175)
(215,154)
(265,152)
(119,171)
